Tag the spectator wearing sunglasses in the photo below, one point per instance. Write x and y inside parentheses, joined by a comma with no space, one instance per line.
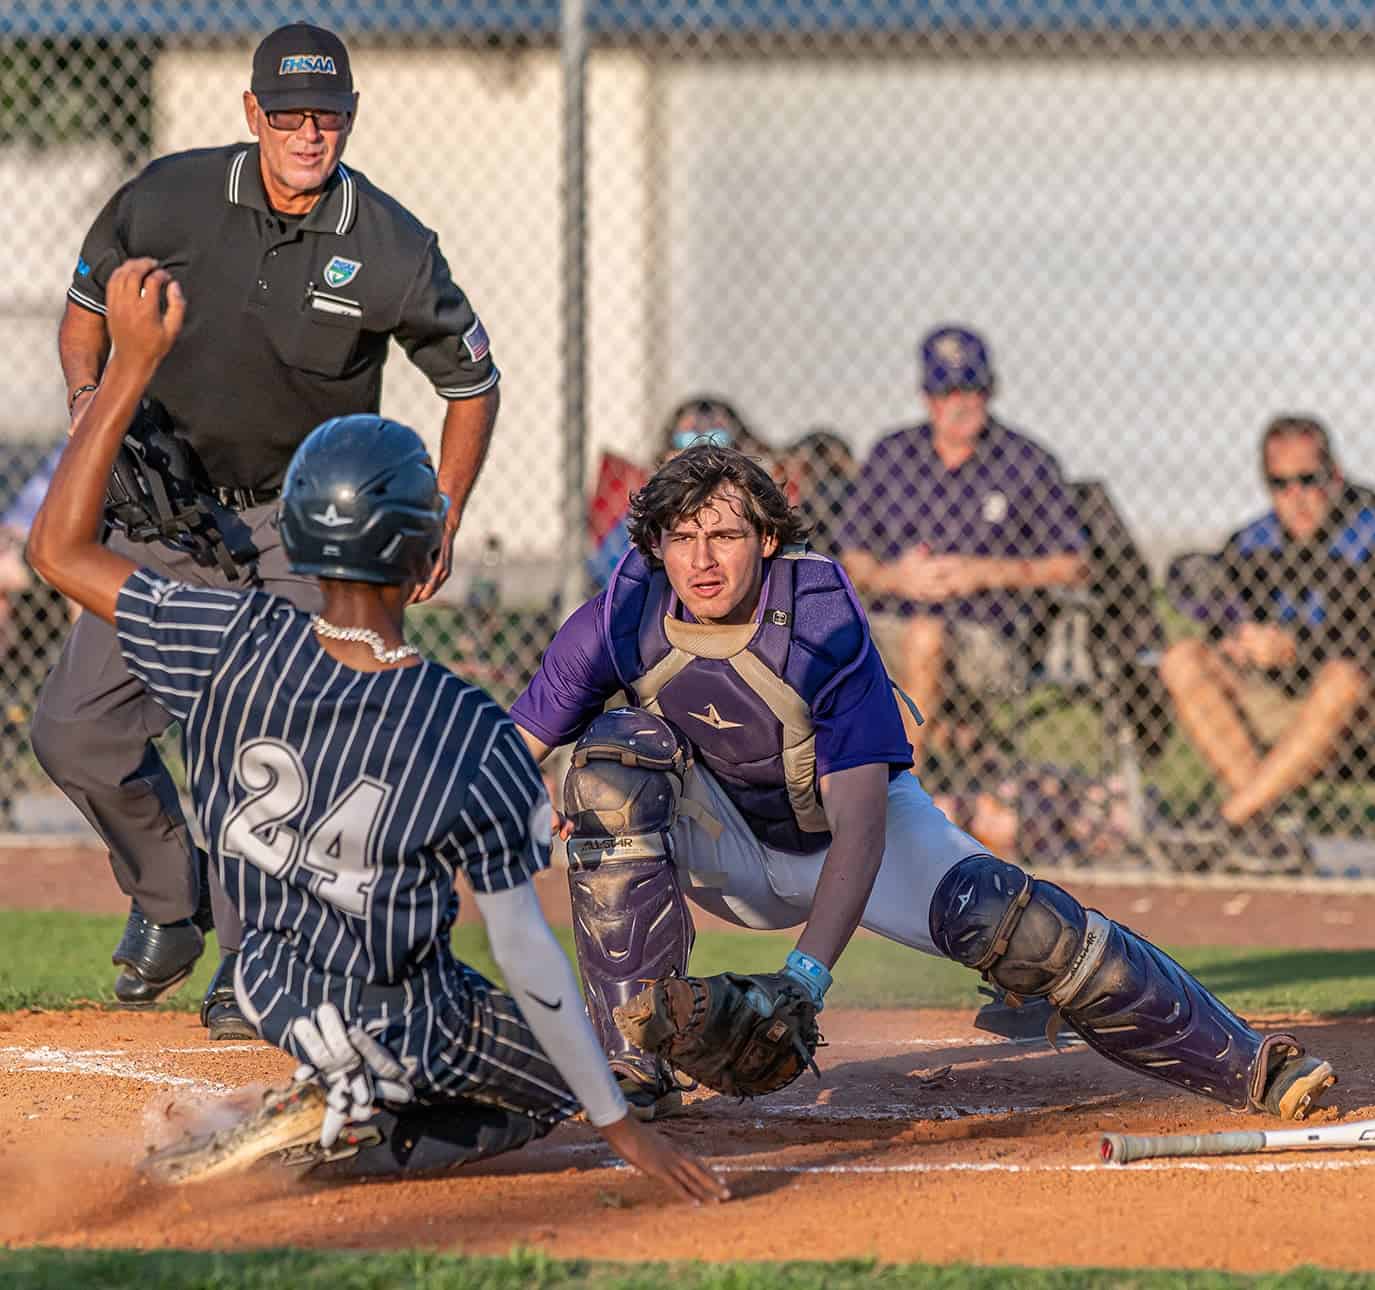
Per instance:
(297,272)
(704,418)
(1282,675)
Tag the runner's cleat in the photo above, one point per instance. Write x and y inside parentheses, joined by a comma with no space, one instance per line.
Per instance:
(287,1118)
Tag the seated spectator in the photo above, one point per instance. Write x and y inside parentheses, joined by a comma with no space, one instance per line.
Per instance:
(951,527)
(704,417)
(15,575)
(1284,672)
(818,475)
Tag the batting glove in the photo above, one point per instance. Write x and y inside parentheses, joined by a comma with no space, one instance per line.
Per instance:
(355,1070)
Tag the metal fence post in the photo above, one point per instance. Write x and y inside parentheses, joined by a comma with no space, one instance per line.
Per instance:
(573,48)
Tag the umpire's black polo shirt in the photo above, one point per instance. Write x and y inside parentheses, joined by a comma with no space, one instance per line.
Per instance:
(287,317)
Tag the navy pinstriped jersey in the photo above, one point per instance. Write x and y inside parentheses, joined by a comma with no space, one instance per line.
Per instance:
(337,804)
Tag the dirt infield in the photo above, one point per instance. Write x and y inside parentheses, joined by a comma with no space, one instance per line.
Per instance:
(924,1140)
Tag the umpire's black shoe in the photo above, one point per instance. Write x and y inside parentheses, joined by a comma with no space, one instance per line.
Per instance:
(156,958)
(220,1011)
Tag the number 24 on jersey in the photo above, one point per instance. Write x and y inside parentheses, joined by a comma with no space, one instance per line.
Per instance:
(338,848)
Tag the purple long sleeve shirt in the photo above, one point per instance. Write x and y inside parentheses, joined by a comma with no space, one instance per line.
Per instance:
(857,723)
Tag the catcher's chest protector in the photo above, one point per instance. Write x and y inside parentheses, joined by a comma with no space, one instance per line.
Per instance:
(744,695)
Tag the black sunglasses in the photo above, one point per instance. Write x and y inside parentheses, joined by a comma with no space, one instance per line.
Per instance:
(294,120)
(1305,479)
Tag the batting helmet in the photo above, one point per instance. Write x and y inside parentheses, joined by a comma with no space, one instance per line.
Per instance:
(361,503)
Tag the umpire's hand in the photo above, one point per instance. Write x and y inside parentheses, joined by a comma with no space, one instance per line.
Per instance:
(443,566)
(144,311)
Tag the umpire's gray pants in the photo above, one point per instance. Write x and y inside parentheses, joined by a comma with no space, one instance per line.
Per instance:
(94,723)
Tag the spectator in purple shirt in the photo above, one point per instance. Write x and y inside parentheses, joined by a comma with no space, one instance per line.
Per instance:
(760,774)
(951,525)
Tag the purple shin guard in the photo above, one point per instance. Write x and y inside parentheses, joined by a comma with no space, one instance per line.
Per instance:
(631,925)
(1128,1000)
(630,921)
(1139,1008)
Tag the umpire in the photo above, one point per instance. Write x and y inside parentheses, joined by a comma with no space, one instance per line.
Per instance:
(297,271)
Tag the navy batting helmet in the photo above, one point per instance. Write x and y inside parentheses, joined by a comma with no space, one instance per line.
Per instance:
(361,503)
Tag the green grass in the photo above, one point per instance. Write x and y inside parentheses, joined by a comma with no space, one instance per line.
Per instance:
(54,960)
(308,1270)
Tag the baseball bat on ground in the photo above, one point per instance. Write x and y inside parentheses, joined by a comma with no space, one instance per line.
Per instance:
(1123,1148)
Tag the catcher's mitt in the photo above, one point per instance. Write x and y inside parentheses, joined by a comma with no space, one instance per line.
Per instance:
(741,1035)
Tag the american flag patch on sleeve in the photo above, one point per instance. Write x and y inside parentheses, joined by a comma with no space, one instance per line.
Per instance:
(475,341)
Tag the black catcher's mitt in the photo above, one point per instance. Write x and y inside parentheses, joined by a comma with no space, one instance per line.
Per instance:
(740,1035)
(158,492)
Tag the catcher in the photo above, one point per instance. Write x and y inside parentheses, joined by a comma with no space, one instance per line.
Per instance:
(761,772)
(341,781)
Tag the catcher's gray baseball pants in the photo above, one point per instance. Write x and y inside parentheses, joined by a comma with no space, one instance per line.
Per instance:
(94,723)
(736,877)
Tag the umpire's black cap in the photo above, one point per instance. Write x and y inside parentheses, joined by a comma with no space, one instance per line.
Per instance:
(300,66)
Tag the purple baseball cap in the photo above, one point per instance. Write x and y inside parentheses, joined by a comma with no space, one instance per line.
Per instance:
(955,358)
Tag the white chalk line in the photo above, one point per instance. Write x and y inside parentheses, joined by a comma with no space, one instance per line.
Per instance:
(116,1052)
(109,1063)
(1005,1167)
(894,1111)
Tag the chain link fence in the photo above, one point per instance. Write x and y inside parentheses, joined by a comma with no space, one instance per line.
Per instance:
(1157,216)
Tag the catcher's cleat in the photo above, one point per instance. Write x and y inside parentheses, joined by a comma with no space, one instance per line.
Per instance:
(156,958)
(1023,1021)
(647,1097)
(287,1118)
(1297,1086)
(220,1012)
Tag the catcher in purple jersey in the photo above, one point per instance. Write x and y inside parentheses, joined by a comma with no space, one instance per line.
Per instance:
(341,780)
(759,769)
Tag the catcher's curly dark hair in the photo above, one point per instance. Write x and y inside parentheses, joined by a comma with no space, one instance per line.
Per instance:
(684,485)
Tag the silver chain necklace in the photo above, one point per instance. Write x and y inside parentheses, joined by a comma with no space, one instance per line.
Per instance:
(364,635)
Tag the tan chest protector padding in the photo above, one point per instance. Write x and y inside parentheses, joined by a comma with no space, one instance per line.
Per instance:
(693,641)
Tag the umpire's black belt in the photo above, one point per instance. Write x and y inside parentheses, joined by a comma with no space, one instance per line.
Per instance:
(243,499)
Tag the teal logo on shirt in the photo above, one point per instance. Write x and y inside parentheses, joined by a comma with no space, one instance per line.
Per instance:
(340,271)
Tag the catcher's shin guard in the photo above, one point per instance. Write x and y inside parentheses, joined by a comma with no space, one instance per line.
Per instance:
(631,922)
(1126,998)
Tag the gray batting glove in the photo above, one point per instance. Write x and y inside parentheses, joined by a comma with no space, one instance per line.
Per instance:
(354,1069)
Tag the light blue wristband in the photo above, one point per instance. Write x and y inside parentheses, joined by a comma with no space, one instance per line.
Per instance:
(811,974)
